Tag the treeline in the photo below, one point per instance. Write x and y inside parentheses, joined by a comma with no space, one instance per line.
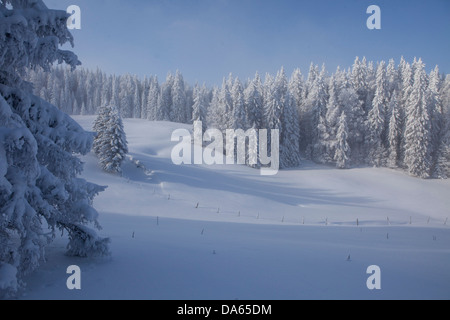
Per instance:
(378,114)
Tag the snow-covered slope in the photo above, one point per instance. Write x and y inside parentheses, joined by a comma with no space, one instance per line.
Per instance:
(226,232)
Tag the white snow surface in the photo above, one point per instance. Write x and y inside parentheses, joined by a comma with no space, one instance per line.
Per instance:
(8,276)
(254,237)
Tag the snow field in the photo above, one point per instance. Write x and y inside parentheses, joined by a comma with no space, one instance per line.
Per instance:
(166,248)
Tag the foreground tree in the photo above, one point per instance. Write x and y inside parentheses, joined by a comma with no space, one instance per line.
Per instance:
(39,187)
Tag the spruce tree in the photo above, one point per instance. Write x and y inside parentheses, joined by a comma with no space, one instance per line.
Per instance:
(110,144)
(328,126)
(316,104)
(395,133)
(239,113)
(137,92)
(418,126)
(253,97)
(297,88)
(290,135)
(342,155)
(376,121)
(274,102)
(437,115)
(126,95)
(392,78)
(348,99)
(164,111)
(224,107)
(100,126)
(154,91)
(200,106)
(179,103)
(359,80)
(144,98)
(39,185)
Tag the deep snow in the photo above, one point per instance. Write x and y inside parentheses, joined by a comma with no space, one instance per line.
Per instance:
(252,236)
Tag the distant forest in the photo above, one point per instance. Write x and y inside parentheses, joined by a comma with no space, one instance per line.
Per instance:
(377,114)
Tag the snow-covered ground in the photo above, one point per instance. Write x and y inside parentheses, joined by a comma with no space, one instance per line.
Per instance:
(226,232)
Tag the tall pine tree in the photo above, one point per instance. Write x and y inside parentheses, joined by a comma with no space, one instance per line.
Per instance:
(376,121)
(395,133)
(418,126)
(342,155)
(39,184)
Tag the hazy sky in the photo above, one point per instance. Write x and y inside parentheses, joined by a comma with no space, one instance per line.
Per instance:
(208,39)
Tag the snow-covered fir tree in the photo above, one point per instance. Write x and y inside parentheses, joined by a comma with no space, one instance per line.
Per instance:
(164,105)
(326,143)
(268,86)
(328,125)
(254,104)
(317,100)
(153,112)
(115,88)
(137,99)
(145,85)
(178,95)
(444,152)
(239,114)
(200,107)
(418,126)
(126,94)
(39,184)
(359,81)
(376,121)
(395,133)
(342,155)
(274,101)
(371,81)
(438,125)
(313,74)
(392,78)
(214,113)
(407,78)
(100,125)
(297,90)
(350,103)
(290,134)
(110,143)
(189,94)
(223,109)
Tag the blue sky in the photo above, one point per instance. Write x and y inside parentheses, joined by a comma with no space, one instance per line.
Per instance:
(208,39)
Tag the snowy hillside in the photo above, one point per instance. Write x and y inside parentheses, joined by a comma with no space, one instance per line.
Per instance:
(226,232)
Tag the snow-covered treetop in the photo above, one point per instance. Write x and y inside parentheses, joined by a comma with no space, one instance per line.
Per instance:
(30,35)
